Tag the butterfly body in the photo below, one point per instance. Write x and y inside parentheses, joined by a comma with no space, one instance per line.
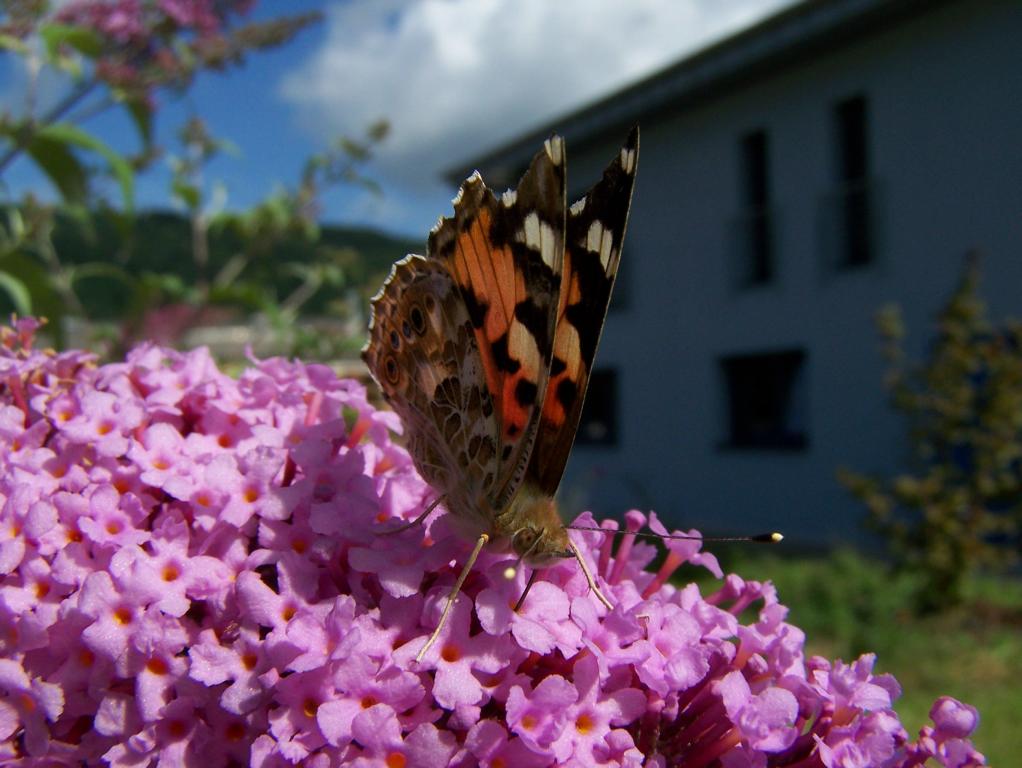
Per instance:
(534,527)
(449,415)
(484,346)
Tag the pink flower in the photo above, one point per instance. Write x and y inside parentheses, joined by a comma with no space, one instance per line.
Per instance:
(597,709)
(460,657)
(539,717)
(113,520)
(363,684)
(28,703)
(953,718)
(198,569)
(488,742)
(766,720)
(380,734)
(118,19)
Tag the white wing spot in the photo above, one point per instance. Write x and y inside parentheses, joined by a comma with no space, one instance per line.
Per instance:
(578,206)
(539,236)
(594,237)
(599,240)
(531,232)
(606,250)
(628,160)
(610,256)
(547,241)
(509,198)
(555,149)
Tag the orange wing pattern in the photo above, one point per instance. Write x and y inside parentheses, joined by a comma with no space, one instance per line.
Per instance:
(484,346)
(594,232)
(505,256)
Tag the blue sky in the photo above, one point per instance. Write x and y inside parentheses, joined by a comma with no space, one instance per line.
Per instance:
(454,77)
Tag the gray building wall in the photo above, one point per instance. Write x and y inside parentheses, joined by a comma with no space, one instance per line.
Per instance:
(944,95)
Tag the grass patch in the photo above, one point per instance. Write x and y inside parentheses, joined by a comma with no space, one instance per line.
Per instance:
(849,605)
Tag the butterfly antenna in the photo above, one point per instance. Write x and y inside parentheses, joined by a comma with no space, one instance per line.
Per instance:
(760,538)
(480,543)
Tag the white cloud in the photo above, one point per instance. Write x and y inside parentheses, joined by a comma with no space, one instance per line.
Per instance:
(458,77)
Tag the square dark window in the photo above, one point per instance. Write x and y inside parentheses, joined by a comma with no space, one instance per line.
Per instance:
(598,425)
(766,400)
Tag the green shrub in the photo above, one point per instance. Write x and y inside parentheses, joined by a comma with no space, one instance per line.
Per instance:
(957,507)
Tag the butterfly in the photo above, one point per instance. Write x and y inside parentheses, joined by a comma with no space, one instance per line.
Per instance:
(485,345)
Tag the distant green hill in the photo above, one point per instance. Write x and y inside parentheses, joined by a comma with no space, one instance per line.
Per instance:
(160,242)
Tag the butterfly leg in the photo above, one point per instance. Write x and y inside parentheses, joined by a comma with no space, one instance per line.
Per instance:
(480,543)
(589,577)
(416,521)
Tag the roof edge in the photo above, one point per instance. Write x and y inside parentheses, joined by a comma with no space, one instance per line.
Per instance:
(751,54)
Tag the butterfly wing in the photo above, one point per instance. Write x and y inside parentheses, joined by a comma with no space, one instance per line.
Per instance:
(594,232)
(460,341)
(505,256)
(422,352)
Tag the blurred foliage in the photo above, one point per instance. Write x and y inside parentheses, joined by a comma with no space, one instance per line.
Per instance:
(92,261)
(273,258)
(957,508)
(120,278)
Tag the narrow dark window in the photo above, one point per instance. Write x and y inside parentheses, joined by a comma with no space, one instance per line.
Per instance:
(754,157)
(754,225)
(766,400)
(598,425)
(853,172)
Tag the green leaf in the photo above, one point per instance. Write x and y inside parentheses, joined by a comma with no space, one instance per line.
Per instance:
(99,269)
(78,213)
(17,292)
(332,275)
(71,65)
(142,116)
(60,165)
(71,135)
(83,40)
(350,416)
(37,281)
(229,147)
(15,227)
(188,193)
(243,293)
(170,284)
(11,43)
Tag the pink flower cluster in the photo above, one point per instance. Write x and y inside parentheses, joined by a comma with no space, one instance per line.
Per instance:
(143,41)
(196,571)
(133,21)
